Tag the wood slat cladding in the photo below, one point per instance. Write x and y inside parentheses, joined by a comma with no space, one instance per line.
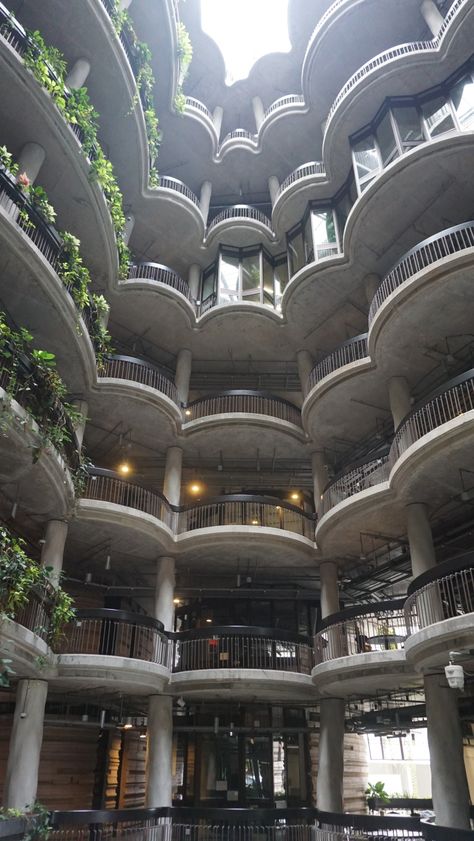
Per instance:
(355,770)
(126,767)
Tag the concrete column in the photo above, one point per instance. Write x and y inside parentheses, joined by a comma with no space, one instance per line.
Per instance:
(305,365)
(52,552)
(26,737)
(194,280)
(173,470)
(329,588)
(129,226)
(217,116)
(183,374)
(400,399)
(448,772)
(31,160)
(164,592)
(420,538)
(82,407)
(432,15)
(320,477)
(371,284)
(160,744)
(78,73)
(273,186)
(205,199)
(330,782)
(258,111)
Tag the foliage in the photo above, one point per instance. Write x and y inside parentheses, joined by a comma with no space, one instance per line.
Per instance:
(6,673)
(377,790)
(39,200)
(7,162)
(38,826)
(103,172)
(185,56)
(72,271)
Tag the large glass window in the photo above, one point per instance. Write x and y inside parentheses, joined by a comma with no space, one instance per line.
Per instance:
(228,277)
(438,116)
(409,127)
(387,141)
(462,97)
(325,237)
(366,161)
(249,274)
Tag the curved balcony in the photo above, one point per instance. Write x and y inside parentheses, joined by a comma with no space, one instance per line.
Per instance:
(246,510)
(106,486)
(427,253)
(249,658)
(289,101)
(351,351)
(360,478)
(197,105)
(159,274)
(439,612)
(361,647)
(242,401)
(301,173)
(25,638)
(241,213)
(114,647)
(139,371)
(177,186)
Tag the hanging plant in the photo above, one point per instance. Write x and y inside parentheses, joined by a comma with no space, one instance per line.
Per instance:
(185,55)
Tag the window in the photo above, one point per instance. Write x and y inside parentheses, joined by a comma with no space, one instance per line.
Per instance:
(324,234)
(438,116)
(366,161)
(244,274)
(462,97)
(408,122)
(387,142)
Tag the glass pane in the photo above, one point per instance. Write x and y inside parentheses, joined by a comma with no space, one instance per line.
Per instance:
(366,160)
(268,284)
(293,762)
(324,233)
(258,768)
(219,768)
(208,283)
(279,776)
(228,277)
(387,143)
(281,279)
(438,117)
(409,126)
(308,241)
(296,251)
(463,101)
(251,271)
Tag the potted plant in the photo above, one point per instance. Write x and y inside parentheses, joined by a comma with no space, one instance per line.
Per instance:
(376,794)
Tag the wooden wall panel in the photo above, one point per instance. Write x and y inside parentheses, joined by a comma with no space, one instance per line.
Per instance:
(355,770)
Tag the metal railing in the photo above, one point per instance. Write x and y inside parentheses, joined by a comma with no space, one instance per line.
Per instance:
(448,594)
(245,401)
(246,510)
(160,274)
(36,613)
(426,253)
(192,102)
(16,204)
(342,827)
(394,53)
(240,211)
(116,633)
(350,351)
(304,171)
(283,102)
(139,371)
(358,630)
(241,648)
(104,485)
(239,134)
(177,186)
(357,479)
(454,399)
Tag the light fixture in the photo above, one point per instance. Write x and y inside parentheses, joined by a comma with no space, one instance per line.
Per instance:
(255,522)
(108,562)
(188,413)
(124,468)
(195,488)
(295,496)
(128,725)
(176,601)
(142,735)
(208,620)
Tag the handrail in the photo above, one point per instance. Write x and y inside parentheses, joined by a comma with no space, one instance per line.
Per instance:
(239,631)
(445,597)
(116,633)
(41,233)
(440,570)
(106,486)
(35,615)
(238,134)
(221,648)
(370,822)
(349,351)
(240,211)
(192,102)
(138,619)
(303,171)
(360,610)
(160,274)
(380,626)
(426,253)
(169,183)
(282,101)
(236,814)
(139,371)
(243,400)
(357,478)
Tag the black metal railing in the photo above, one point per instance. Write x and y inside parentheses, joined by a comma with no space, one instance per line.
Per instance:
(239,647)
(358,478)
(106,486)
(139,371)
(350,351)
(36,613)
(377,627)
(245,401)
(444,592)
(246,510)
(16,205)
(116,633)
(160,274)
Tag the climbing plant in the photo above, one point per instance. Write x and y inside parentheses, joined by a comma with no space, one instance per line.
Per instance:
(185,55)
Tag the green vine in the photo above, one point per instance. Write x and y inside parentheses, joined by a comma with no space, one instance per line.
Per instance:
(185,56)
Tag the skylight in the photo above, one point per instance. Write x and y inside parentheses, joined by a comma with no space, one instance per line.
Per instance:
(245,30)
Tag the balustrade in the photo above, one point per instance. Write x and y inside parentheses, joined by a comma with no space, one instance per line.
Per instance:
(139,371)
(362,629)
(116,633)
(251,402)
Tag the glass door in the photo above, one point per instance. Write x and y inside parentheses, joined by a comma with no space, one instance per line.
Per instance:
(258,769)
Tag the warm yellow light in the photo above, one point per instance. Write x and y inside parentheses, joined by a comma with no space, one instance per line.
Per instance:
(176,601)
(124,468)
(255,522)
(208,620)
(127,726)
(188,413)
(195,488)
(295,495)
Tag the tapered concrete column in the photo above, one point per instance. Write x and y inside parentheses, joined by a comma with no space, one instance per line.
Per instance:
(400,399)
(205,200)
(183,374)
(173,470)
(217,116)
(432,15)
(258,111)
(448,772)
(305,365)
(21,781)
(330,782)
(194,280)
(31,160)
(420,539)
(371,284)
(273,186)
(129,226)
(78,73)
(82,407)
(164,592)
(320,477)
(329,589)
(160,744)
(52,553)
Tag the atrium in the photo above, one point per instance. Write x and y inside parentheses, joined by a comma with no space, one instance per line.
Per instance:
(237,416)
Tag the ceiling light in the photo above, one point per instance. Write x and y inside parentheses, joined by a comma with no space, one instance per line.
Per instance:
(208,620)
(128,725)
(255,523)
(176,601)
(195,488)
(124,468)
(188,413)
(295,496)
